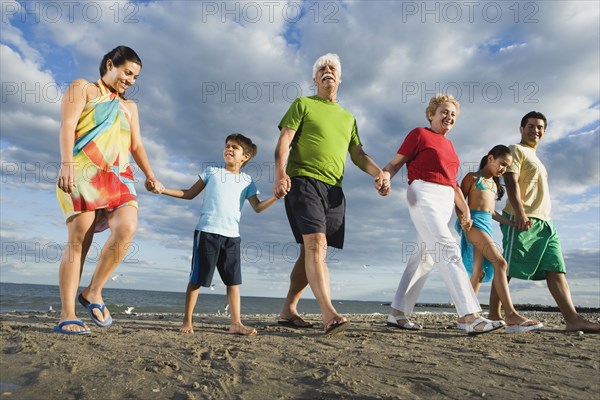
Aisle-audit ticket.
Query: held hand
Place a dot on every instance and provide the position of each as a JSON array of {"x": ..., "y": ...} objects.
[
  {"x": 385, "y": 188},
  {"x": 153, "y": 185},
  {"x": 466, "y": 222},
  {"x": 382, "y": 183},
  {"x": 66, "y": 177},
  {"x": 282, "y": 186},
  {"x": 522, "y": 223},
  {"x": 384, "y": 191}
]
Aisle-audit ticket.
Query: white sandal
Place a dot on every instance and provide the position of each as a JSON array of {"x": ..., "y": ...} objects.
[
  {"x": 489, "y": 326},
  {"x": 523, "y": 327},
  {"x": 401, "y": 322},
  {"x": 461, "y": 326}
]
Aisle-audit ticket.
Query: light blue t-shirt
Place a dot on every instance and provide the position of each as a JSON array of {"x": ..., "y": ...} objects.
[{"x": 224, "y": 196}]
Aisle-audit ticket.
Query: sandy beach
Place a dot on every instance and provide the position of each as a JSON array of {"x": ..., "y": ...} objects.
[{"x": 145, "y": 357}]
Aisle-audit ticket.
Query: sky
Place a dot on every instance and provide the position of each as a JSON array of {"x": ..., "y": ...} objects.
[{"x": 212, "y": 68}]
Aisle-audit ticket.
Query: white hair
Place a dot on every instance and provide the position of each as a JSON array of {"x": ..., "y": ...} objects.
[{"x": 329, "y": 58}]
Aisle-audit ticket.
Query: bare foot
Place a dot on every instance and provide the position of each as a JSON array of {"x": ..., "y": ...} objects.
[
  {"x": 186, "y": 328},
  {"x": 495, "y": 317},
  {"x": 287, "y": 315},
  {"x": 582, "y": 324},
  {"x": 239, "y": 329}
]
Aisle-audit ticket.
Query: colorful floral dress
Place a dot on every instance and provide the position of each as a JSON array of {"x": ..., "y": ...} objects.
[{"x": 104, "y": 178}]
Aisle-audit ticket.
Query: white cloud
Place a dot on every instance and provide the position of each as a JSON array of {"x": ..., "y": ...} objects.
[
  {"x": 13, "y": 36},
  {"x": 206, "y": 74},
  {"x": 30, "y": 100}
]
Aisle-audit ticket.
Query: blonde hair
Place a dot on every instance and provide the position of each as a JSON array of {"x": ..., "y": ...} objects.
[
  {"x": 437, "y": 101},
  {"x": 327, "y": 59}
]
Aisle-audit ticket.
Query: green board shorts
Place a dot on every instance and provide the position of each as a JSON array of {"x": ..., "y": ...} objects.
[{"x": 532, "y": 253}]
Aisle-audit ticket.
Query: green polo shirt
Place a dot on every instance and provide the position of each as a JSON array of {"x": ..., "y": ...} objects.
[{"x": 324, "y": 134}]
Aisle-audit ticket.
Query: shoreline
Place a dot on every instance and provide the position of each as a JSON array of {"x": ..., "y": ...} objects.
[
  {"x": 447, "y": 310},
  {"x": 144, "y": 356}
]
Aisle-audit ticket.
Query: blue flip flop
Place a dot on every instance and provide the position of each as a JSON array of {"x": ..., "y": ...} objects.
[
  {"x": 59, "y": 327},
  {"x": 91, "y": 307}
]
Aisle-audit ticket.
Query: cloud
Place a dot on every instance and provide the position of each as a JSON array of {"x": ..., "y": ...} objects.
[
  {"x": 583, "y": 263},
  {"x": 13, "y": 36},
  {"x": 208, "y": 72},
  {"x": 30, "y": 102},
  {"x": 568, "y": 173}
]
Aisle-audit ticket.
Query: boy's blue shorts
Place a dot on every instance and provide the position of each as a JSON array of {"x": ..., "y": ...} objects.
[{"x": 212, "y": 250}]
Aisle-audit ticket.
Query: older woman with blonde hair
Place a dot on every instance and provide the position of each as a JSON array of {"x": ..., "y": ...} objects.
[{"x": 432, "y": 194}]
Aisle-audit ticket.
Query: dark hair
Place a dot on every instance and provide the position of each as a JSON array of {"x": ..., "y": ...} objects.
[
  {"x": 536, "y": 115},
  {"x": 246, "y": 143},
  {"x": 119, "y": 56},
  {"x": 496, "y": 151}
]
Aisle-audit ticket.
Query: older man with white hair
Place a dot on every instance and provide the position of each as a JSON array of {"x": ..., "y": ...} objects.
[{"x": 316, "y": 133}]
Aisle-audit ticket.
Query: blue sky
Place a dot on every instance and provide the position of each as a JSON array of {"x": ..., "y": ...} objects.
[{"x": 212, "y": 68}]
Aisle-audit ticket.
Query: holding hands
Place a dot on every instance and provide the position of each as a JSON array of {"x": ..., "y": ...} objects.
[
  {"x": 282, "y": 186},
  {"x": 522, "y": 222},
  {"x": 466, "y": 222},
  {"x": 382, "y": 183},
  {"x": 153, "y": 185}
]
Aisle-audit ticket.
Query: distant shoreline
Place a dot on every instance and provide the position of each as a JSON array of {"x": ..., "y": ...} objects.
[{"x": 304, "y": 301}]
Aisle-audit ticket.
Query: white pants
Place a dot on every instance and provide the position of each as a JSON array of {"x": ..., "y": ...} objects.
[{"x": 431, "y": 206}]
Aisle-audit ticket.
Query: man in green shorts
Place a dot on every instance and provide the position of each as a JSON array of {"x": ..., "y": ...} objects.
[
  {"x": 532, "y": 247},
  {"x": 316, "y": 134}
]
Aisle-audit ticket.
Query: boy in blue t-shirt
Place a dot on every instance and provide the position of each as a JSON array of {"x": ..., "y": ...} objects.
[{"x": 217, "y": 238}]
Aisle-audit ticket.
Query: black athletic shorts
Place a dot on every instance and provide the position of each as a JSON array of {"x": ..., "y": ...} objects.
[
  {"x": 212, "y": 250},
  {"x": 313, "y": 206}
]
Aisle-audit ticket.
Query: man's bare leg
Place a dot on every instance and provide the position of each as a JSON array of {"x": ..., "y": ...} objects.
[{"x": 559, "y": 288}]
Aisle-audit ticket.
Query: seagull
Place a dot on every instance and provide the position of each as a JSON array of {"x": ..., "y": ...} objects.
[
  {"x": 129, "y": 310},
  {"x": 114, "y": 277},
  {"x": 212, "y": 287},
  {"x": 365, "y": 266},
  {"x": 50, "y": 309}
]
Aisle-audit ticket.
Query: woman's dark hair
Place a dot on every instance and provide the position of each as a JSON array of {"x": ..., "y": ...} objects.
[
  {"x": 496, "y": 151},
  {"x": 119, "y": 56}
]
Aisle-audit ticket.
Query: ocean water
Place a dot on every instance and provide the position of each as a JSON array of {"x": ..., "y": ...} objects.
[{"x": 42, "y": 298}]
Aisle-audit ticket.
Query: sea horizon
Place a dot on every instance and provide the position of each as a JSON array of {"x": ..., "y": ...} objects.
[
  {"x": 40, "y": 298},
  {"x": 26, "y": 297}
]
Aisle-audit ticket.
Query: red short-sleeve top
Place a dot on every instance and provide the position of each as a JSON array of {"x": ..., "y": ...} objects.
[{"x": 431, "y": 157}]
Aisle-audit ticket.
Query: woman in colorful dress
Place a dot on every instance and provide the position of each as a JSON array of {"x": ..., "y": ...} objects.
[{"x": 99, "y": 130}]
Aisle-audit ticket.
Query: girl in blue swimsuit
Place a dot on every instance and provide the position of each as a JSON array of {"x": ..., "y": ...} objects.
[{"x": 481, "y": 257}]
